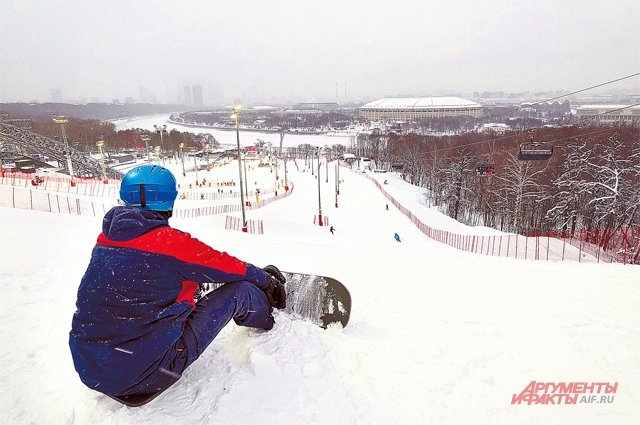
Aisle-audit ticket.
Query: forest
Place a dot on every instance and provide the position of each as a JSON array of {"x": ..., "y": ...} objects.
[{"x": 589, "y": 188}]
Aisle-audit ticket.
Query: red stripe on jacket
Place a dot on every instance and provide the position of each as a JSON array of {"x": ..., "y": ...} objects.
[{"x": 180, "y": 245}]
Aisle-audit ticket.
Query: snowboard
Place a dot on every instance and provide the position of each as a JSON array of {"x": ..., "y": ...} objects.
[{"x": 319, "y": 299}]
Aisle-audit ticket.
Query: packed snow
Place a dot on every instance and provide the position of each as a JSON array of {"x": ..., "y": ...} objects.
[{"x": 437, "y": 335}]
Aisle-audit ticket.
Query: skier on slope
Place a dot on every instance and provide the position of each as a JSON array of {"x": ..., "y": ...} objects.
[
  {"x": 137, "y": 326},
  {"x": 397, "y": 237}
]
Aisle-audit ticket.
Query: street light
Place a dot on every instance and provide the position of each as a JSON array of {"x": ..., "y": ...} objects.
[
  {"x": 195, "y": 165},
  {"x": 182, "y": 156},
  {"x": 236, "y": 116},
  {"x": 246, "y": 178},
  {"x": 145, "y": 138},
  {"x": 319, "y": 201},
  {"x": 62, "y": 120},
  {"x": 100, "y": 144},
  {"x": 326, "y": 160},
  {"x": 337, "y": 181},
  {"x": 161, "y": 130}
]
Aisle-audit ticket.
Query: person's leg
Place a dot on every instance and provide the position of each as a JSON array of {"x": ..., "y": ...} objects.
[{"x": 243, "y": 302}]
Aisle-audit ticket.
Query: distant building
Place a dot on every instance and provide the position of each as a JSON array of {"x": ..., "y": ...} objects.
[
  {"x": 412, "y": 109},
  {"x": 316, "y": 106},
  {"x": 609, "y": 113},
  {"x": 56, "y": 96},
  {"x": 188, "y": 100},
  {"x": 198, "y": 99}
]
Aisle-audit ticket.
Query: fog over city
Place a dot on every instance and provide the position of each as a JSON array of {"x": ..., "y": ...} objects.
[{"x": 297, "y": 50}]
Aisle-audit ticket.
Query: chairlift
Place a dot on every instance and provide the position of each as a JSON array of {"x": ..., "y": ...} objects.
[
  {"x": 485, "y": 169},
  {"x": 535, "y": 151}
]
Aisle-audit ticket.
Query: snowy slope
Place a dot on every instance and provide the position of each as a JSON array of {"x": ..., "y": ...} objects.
[{"x": 437, "y": 336}]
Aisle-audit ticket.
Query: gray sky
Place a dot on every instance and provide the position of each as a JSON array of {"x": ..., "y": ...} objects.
[{"x": 262, "y": 50}]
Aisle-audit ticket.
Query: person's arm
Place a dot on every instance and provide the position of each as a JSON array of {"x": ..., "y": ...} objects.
[
  {"x": 197, "y": 261},
  {"x": 203, "y": 263}
]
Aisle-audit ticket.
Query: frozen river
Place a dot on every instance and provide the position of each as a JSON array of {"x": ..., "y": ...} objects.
[{"x": 228, "y": 137}]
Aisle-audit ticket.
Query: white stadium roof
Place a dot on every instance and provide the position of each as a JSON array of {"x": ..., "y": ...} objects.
[{"x": 420, "y": 103}]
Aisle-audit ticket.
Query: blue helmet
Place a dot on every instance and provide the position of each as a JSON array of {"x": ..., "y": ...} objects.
[{"x": 149, "y": 186}]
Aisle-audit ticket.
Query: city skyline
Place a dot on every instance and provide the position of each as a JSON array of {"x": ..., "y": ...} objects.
[{"x": 292, "y": 51}]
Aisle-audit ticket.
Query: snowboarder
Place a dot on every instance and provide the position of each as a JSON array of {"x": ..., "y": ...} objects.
[
  {"x": 137, "y": 326},
  {"x": 397, "y": 237},
  {"x": 331, "y": 229}
]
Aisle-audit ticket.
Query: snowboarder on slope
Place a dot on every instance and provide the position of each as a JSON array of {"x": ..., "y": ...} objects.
[
  {"x": 397, "y": 237},
  {"x": 331, "y": 229},
  {"x": 137, "y": 326}
]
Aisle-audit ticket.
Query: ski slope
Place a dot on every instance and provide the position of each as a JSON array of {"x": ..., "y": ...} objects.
[{"x": 437, "y": 336}]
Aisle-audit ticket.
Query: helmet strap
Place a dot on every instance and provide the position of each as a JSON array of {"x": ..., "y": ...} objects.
[{"x": 143, "y": 197}]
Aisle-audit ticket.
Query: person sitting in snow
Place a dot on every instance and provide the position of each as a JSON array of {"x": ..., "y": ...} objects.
[{"x": 137, "y": 326}]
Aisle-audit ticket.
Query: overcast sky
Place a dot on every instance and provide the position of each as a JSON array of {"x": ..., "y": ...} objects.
[{"x": 265, "y": 50}]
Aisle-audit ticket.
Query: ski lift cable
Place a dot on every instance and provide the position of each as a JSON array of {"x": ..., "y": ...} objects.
[
  {"x": 572, "y": 93},
  {"x": 549, "y": 100},
  {"x": 498, "y": 139}
]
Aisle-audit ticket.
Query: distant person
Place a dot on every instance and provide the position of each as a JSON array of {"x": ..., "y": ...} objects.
[
  {"x": 397, "y": 237},
  {"x": 331, "y": 229},
  {"x": 137, "y": 325},
  {"x": 387, "y": 207}
]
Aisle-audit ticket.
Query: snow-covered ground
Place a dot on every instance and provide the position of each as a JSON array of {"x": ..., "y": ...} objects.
[{"x": 437, "y": 336}]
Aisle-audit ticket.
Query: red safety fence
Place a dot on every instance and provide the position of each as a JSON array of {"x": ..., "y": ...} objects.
[
  {"x": 235, "y": 223},
  {"x": 17, "y": 197},
  {"x": 615, "y": 244},
  {"x": 536, "y": 247},
  {"x": 325, "y": 220},
  {"x": 28, "y": 198},
  {"x": 77, "y": 185}
]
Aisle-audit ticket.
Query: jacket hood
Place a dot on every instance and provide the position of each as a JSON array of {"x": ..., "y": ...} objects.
[{"x": 125, "y": 223}]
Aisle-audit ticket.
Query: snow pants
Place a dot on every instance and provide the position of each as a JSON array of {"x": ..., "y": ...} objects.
[{"x": 243, "y": 302}]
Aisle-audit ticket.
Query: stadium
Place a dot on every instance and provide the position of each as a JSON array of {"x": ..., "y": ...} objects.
[{"x": 415, "y": 108}]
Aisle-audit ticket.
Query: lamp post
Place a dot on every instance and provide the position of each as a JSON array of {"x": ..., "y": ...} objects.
[
  {"x": 337, "y": 177},
  {"x": 286, "y": 183},
  {"x": 161, "y": 130},
  {"x": 326, "y": 160},
  {"x": 145, "y": 138},
  {"x": 319, "y": 201},
  {"x": 100, "y": 144},
  {"x": 195, "y": 164},
  {"x": 184, "y": 173},
  {"x": 236, "y": 116},
  {"x": 312, "y": 172},
  {"x": 246, "y": 179},
  {"x": 62, "y": 120}
]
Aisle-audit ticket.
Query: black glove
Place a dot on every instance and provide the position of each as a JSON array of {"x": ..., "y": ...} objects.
[{"x": 274, "y": 288}]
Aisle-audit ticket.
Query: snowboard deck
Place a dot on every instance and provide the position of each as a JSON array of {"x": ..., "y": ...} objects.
[{"x": 320, "y": 299}]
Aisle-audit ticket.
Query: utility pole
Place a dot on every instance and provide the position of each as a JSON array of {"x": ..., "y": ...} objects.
[
  {"x": 100, "y": 144},
  {"x": 145, "y": 138},
  {"x": 236, "y": 115},
  {"x": 181, "y": 146},
  {"x": 63, "y": 121},
  {"x": 319, "y": 200},
  {"x": 161, "y": 130}
]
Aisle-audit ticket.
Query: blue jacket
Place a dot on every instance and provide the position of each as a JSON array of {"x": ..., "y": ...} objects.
[{"x": 137, "y": 294}]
